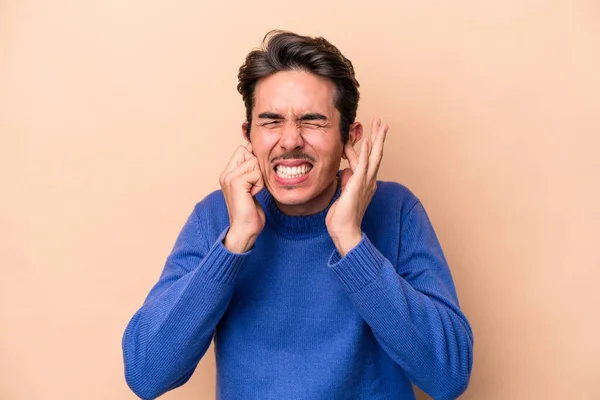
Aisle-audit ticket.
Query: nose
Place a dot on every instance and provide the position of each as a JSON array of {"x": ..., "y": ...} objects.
[{"x": 291, "y": 137}]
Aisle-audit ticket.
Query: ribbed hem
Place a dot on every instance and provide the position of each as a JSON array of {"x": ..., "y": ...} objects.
[
  {"x": 359, "y": 267},
  {"x": 221, "y": 264}
]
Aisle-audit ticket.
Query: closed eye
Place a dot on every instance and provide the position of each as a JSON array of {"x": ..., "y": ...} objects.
[
  {"x": 312, "y": 124},
  {"x": 270, "y": 123}
]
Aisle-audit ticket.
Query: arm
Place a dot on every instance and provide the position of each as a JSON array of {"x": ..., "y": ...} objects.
[
  {"x": 166, "y": 338},
  {"x": 413, "y": 313}
]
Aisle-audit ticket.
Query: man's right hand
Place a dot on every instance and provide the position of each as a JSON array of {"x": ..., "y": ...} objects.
[{"x": 241, "y": 181}]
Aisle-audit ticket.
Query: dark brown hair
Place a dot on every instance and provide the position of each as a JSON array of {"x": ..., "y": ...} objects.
[{"x": 284, "y": 51}]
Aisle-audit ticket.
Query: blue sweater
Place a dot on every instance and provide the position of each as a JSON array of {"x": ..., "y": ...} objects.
[{"x": 291, "y": 319}]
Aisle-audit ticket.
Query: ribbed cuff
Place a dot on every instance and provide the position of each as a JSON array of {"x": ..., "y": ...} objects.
[
  {"x": 359, "y": 267},
  {"x": 221, "y": 264}
]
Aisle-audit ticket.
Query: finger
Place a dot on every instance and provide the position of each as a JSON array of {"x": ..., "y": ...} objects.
[
  {"x": 236, "y": 159},
  {"x": 247, "y": 175},
  {"x": 377, "y": 151},
  {"x": 240, "y": 155},
  {"x": 247, "y": 166},
  {"x": 374, "y": 131},
  {"x": 351, "y": 155},
  {"x": 363, "y": 161},
  {"x": 254, "y": 180},
  {"x": 248, "y": 154}
]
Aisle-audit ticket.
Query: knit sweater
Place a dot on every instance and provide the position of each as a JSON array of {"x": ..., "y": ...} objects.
[{"x": 292, "y": 319}]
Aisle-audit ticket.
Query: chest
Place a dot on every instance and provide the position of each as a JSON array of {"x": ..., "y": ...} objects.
[{"x": 286, "y": 290}]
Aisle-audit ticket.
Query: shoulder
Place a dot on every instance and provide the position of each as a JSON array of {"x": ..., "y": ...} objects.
[
  {"x": 211, "y": 213},
  {"x": 386, "y": 215},
  {"x": 394, "y": 195},
  {"x": 214, "y": 201}
]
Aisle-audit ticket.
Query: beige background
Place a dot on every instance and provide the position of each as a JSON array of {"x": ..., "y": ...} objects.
[{"x": 116, "y": 117}]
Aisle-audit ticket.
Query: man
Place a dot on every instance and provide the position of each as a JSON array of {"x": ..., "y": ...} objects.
[{"x": 314, "y": 283}]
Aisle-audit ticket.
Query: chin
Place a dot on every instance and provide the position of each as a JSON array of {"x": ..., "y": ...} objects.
[
  {"x": 293, "y": 197},
  {"x": 299, "y": 189},
  {"x": 290, "y": 197}
]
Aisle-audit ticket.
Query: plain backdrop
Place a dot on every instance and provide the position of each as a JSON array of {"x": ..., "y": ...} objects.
[{"x": 116, "y": 117}]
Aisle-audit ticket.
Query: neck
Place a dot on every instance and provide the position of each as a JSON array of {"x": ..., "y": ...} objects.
[
  {"x": 314, "y": 206},
  {"x": 311, "y": 224}
]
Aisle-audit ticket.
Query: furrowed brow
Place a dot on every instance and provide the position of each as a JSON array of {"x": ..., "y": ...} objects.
[
  {"x": 270, "y": 115},
  {"x": 313, "y": 117}
]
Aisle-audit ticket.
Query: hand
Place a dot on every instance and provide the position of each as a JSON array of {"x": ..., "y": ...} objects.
[
  {"x": 359, "y": 183},
  {"x": 241, "y": 181}
]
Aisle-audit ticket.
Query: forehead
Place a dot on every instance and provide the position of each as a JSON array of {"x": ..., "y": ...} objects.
[{"x": 295, "y": 91}]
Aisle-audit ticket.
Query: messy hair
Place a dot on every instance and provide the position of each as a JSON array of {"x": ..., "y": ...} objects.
[{"x": 284, "y": 51}]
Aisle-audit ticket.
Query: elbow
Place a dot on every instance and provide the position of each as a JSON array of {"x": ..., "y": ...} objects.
[
  {"x": 144, "y": 389},
  {"x": 459, "y": 375},
  {"x": 140, "y": 381},
  {"x": 449, "y": 388},
  {"x": 455, "y": 380},
  {"x": 148, "y": 386},
  {"x": 138, "y": 373},
  {"x": 452, "y": 389},
  {"x": 150, "y": 373},
  {"x": 147, "y": 379},
  {"x": 141, "y": 389}
]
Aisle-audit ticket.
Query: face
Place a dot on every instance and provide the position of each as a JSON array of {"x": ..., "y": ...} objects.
[{"x": 295, "y": 136}]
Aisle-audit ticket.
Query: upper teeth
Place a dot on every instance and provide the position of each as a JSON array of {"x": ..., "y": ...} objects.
[{"x": 293, "y": 172}]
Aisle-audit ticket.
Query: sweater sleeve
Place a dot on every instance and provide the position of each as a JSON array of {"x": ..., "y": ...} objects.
[
  {"x": 413, "y": 313},
  {"x": 169, "y": 334}
]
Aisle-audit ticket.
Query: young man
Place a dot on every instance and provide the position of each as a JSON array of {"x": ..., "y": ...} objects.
[{"x": 314, "y": 283}]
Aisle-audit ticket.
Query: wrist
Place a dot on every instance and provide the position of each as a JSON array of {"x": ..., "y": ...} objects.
[
  {"x": 346, "y": 242},
  {"x": 238, "y": 243}
]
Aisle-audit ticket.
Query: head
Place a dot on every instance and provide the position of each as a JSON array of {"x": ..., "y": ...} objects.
[{"x": 301, "y": 98}]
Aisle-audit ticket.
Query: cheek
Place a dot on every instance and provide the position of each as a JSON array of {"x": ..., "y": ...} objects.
[
  {"x": 264, "y": 140},
  {"x": 262, "y": 147},
  {"x": 328, "y": 149}
]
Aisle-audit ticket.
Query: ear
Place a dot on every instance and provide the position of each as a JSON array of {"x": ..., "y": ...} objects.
[
  {"x": 245, "y": 131},
  {"x": 354, "y": 135}
]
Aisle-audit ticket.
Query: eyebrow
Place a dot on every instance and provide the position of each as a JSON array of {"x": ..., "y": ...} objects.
[{"x": 303, "y": 117}]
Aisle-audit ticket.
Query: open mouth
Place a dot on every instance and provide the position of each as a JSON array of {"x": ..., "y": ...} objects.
[{"x": 285, "y": 172}]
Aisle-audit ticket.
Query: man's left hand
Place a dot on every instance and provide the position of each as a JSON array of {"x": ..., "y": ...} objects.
[{"x": 359, "y": 183}]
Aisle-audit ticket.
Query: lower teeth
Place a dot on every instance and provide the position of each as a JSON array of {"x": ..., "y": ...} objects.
[{"x": 291, "y": 176}]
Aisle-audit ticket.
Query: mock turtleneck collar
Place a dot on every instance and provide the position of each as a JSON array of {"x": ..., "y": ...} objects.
[{"x": 310, "y": 225}]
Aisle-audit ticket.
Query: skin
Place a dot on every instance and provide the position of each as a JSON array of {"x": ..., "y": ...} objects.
[{"x": 294, "y": 120}]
